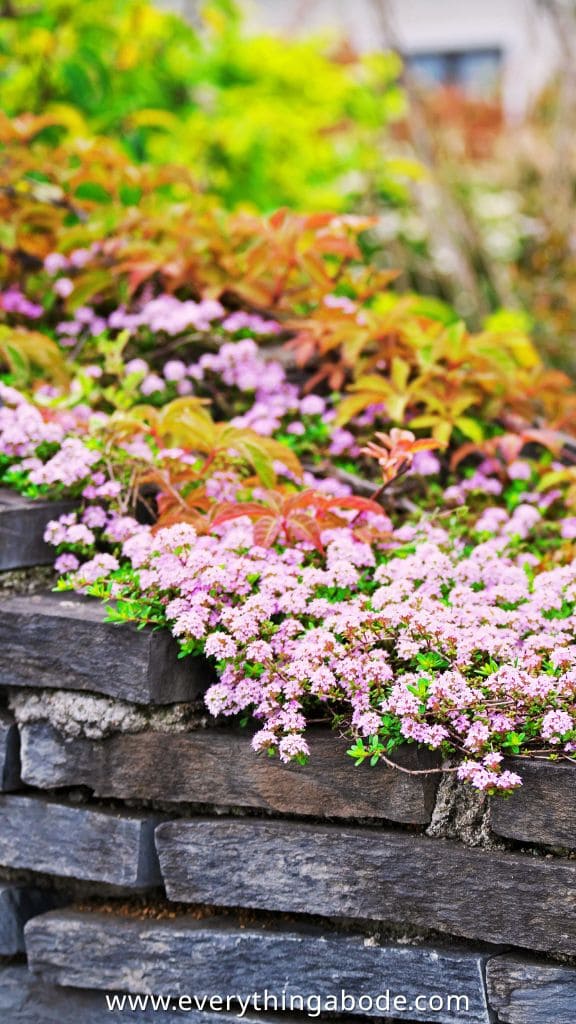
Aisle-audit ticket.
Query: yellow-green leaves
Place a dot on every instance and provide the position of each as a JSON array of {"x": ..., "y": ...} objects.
[{"x": 24, "y": 352}]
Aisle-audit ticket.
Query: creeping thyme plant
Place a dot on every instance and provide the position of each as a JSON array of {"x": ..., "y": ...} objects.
[{"x": 359, "y": 511}]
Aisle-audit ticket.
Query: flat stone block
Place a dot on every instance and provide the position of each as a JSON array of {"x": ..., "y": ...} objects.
[
  {"x": 22, "y": 525},
  {"x": 205, "y": 958},
  {"x": 543, "y": 810},
  {"x": 17, "y": 905},
  {"x": 524, "y": 991},
  {"x": 219, "y": 767},
  {"x": 62, "y": 641},
  {"x": 25, "y": 999},
  {"x": 9, "y": 754},
  {"x": 372, "y": 874},
  {"x": 78, "y": 842}
]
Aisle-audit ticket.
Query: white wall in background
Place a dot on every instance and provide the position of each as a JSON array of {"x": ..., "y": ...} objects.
[{"x": 516, "y": 27}]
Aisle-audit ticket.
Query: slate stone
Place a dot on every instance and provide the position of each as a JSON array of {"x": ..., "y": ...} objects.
[
  {"x": 62, "y": 641},
  {"x": 78, "y": 842},
  {"x": 374, "y": 874},
  {"x": 543, "y": 810},
  {"x": 524, "y": 991},
  {"x": 17, "y": 905},
  {"x": 93, "y": 950},
  {"x": 219, "y": 767},
  {"x": 9, "y": 754},
  {"x": 25, "y": 999},
  {"x": 22, "y": 525}
]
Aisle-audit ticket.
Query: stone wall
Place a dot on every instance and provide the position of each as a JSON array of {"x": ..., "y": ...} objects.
[{"x": 144, "y": 849}]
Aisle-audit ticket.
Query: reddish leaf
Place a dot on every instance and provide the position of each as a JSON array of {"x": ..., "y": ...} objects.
[
  {"x": 235, "y": 511},
  {"x": 266, "y": 531},
  {"x": 360, "y": 504},
  {"x": 303, "y": 527}
]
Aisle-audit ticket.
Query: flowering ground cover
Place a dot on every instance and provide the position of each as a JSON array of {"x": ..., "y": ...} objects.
[{"x": 362, "y": 512}]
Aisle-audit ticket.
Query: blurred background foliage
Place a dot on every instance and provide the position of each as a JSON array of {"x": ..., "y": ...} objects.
[
  {"x": 475, "y": 213},
  {"x": 261, "y": 121}
]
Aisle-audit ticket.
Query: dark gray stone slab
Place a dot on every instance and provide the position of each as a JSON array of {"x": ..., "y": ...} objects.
[
  {"x": 219, "y": 767},
  {"x": 543, "y": 810},
  {"x": 523, "y": 991},
  {"x": 78, "y": 842},
  {"x": 62, "y": 641},
  {"x": 17, "y": 905},
  {"x": 372, "y": 874},
  {"x": 22, "y": 525},
  {"x": 25, "y": 999},
  {"x": 190, "y": 956},
  {"x": 9, "y": 754}
]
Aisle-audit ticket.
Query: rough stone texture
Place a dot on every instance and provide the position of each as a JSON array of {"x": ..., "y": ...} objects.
[
  {"x": 9, "y": 754},
  {"x": 22, "y": 525},
  {"x": 77, "y": 842},
  {"x": 526, "y": 992},
  {"x": 372, "y": 874},
  {"x": 461, "y": 812},
  {"x": 26, "y": 1000},
  {"x": 219, "y": 767},
  {"x": 543, "y": 810},
  {"x": 36, "y": 580},
  {"x": 51, "y": 641},
  {"x": 186, "y": 955},
  {"x": 18, "y": 905},
  {"x": 78, "y": 714}
]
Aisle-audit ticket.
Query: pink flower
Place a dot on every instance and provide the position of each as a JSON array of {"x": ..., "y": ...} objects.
[
  {"x": 426, "y": 464},
  {"x": 556, "y": 724},
  {"x": 64, "y": 287},
  {"x": 54, "y": 262},
  {"x": 508, "y": 780},
  {"x": 174, "y": 370},
  {"x": 312, "y": 405},
  {"x": 97, "y": 568},
  {"x": 519, "y": 470},
  {"x": 139, "y": 366},
  {"x": 80, "y": 257},
  {"x": 220, "y": 645},
  {"x": 95, "y": 517},
  {"x": 264, "y": 740},
  {"x": 151, "y": 384},
  {"x": 568, "y": 528},
  {"x": 291, "y": 746},
  {"x": 66, "y": 562},
  {"x": 477, "y": 736}
]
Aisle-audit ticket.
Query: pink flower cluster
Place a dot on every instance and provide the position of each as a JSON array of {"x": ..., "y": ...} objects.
[
  {"x": 57, "y": 262},
  {"x": 22, "y": 426},
  {"x": 71, "y": 464},
  {"x": 14, "y": 301},
  {"x": 25, "y": 427},
  {"x": 442, "y": 647},
  {"x": 168, "y": 314},
  {"x": 161, "y": 314},
  {"x": 240, "y": 365}
]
